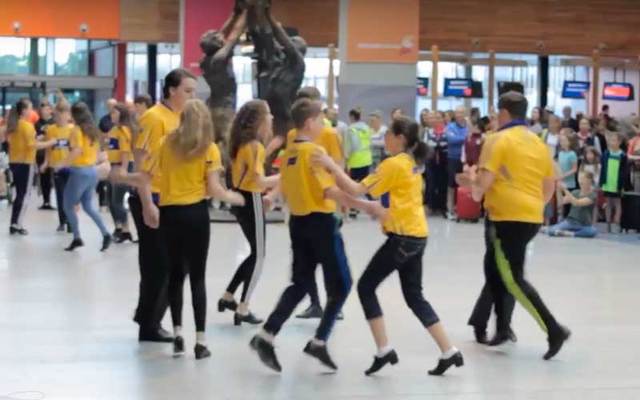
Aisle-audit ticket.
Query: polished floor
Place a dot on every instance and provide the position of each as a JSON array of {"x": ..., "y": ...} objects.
[{"x": 66, "y": 330}]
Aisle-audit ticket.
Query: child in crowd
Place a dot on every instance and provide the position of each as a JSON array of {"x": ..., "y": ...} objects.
[
  {"x": 579, "y": 222},
  {"x": 473, "y": 143},
  {"x": 633, "y": 154},
  {"x": 591, "y": 164},
  {"x": 568, "y": 162},
  {"x": 613, "y": 176}
]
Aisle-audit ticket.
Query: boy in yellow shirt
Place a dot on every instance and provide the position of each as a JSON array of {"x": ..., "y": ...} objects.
[{"x": 311, "y": 193}]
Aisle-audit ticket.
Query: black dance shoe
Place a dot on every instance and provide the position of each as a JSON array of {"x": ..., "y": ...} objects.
[
  {"x": 379, "y": 362},
  {"x": 446, "y": 363}
]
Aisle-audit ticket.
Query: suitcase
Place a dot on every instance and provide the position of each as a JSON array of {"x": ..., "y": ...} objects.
[
  {"x": 630, "y": 211},
  {"x": 467, "y": 209}
]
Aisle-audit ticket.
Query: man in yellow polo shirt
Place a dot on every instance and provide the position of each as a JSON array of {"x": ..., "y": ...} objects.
[
  {"x": 516, "y": 180},
  {"x": 155, "y": 124}
]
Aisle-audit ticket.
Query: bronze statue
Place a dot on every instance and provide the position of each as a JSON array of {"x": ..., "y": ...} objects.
[
  {"x": 280, "y": 66},
  {"x": 217, "y": 69}
]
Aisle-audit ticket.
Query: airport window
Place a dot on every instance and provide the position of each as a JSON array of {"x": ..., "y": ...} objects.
[
  {"x": 71, "y": 57},
  {"x": 14, "y": 55}
]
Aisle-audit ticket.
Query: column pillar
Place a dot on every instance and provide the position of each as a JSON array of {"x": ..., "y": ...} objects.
[
  {"x": 120, "y": 88},
  {"x": 595, "y": 86},
  {"x": 378, "y": 65},
  {"x": 152, "y": 71}
]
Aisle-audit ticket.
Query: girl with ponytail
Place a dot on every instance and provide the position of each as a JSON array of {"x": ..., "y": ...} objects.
[
  {"x": 398, "y": 183},
  {"x": 252, "y": 127}
]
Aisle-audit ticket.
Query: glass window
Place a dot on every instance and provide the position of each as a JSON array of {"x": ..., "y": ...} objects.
[
  {"x": 168, "y": 59},
  {"x": 14, "y": 55},
  {"x": 558, "y": 73},
  {"x": 136, "y": 70},
  {"x": 71, "y": 57}
]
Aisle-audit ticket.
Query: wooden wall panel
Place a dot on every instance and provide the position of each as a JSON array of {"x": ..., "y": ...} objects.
[
  {"x": 518, "y": 26},
  {"x": 150, "y": 20},
  {"x": 317, "y": 20},
  {"x": 562, "y": 26}
]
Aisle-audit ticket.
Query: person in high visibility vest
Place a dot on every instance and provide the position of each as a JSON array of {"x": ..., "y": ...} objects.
[{"x": 358, "y": 147}]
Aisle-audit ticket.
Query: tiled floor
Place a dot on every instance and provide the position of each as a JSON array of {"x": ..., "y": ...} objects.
[{"x": 66, "y": 330}]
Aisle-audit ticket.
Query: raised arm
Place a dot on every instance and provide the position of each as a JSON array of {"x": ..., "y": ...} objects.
[
  {"x": 282, "y": 38},
  {"x": 231, "y": 38}
]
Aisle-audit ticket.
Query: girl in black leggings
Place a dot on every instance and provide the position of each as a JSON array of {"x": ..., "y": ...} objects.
[
  {"x": 188, "y": 166},
  {"x": 251, "y": 128},
  {"x": 398, "y": 184},
  {"x": 22, "y": 159}
]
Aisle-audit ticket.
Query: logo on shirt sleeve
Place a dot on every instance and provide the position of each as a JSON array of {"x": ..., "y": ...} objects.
[
  {"x": 114, "y": 144},
  {"x": 385, "y": 200},
  {"x": 292, "y": 161}
]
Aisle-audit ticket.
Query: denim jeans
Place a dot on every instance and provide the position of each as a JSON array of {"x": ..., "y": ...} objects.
[
  {"x": 579, "y": 230},
  {"x": 80, "y": 187}
]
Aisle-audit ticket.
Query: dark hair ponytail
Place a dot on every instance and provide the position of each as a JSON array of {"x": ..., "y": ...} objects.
[
  {"x": 411, "y": 131},
  {"x": 16, "y": 113}
]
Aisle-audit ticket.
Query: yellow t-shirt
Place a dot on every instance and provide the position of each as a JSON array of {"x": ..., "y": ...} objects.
[
  {"x": 22, "y": 143},
  {"x": 183, "y": 181},
  {"x": 398, "y": 183},
  {"x": 119, "y": 144},
  {"x": 155, "y": 124},
  {"x": 60, "y": 151},
  {"x": 304, "y": 184},
  {"x": 328, "y": 139},
  {"x": 520, "y": 161},
  {"x": 248, "y": 166},
  {"x": 89, "y": 149}
]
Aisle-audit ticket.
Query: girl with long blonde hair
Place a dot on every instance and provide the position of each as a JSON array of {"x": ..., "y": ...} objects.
[{"x": 188, "y": 164}]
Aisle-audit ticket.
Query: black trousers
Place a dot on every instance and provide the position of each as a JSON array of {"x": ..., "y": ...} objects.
[
  {"x": 252, "y": 222},
  {"x": 404, "y": 254},
  {"x": 436, "y": 184},
  {"x": 187, "y": 231},
  {"x": 505, "y": 274},
  {"x": 153, "y": 260},
  {"x": 103, "y": 194},
  {"x": 46, "y": 184},
  {"x": 23, "y": 181},
  {"x": 315, "y": 238},
  {"x": 60, "y": 180},
  {"x": 482, "y": 310}
]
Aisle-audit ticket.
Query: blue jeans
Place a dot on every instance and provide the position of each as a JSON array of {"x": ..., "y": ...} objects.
[
  {"x": 80, "y": 189},
  {"x": 579, "y": 230}
]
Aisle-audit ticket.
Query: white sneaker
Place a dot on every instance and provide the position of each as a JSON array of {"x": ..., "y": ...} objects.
[{"x": 451, "y": 216}]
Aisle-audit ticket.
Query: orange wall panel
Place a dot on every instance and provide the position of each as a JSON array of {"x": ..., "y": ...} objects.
[{"x": 61, "y": 18}]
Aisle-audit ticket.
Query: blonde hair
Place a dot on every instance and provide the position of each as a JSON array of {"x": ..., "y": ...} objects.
[{"x": 195, "y": 133}]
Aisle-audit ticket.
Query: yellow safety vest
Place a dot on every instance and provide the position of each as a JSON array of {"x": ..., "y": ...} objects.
[{"x": 362, "y": 157}]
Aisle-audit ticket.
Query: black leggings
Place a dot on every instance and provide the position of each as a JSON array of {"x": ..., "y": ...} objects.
[
  {"x": 23, "y": 180},
  {"x": 251, "y": 220},
  {"x": 187, "y": 229},
  {"x": 404, "y": 254},
  {"x": 505, "y": 274},
  {"x": 60, "y": 180},
  {"x": 46, "y": 178}
]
